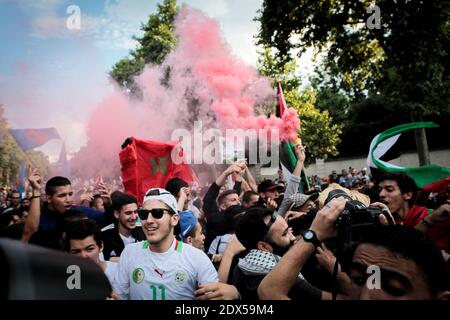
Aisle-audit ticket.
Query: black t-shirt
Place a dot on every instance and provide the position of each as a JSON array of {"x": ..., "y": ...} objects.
[{"x": 247, "y": 286}]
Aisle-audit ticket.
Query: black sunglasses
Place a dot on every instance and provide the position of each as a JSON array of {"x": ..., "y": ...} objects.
[
  {"x": 272, "y": 220},
  {"x": 157, "y": 213}
]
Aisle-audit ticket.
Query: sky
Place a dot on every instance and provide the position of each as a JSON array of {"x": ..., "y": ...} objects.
[{"x": 54, "y": 76}]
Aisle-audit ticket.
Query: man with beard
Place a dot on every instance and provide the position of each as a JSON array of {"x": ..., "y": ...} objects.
[
  {"x": 266, "y": 237},
  {"x": 410, "y": 266},
  {"x": 161, "y": 268},
  {"x": 15, "y": 199},
  {"x": 125, "y": 231}
]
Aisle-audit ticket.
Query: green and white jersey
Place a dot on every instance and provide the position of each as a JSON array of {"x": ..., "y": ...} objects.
[{"x": 171, "y": 275}]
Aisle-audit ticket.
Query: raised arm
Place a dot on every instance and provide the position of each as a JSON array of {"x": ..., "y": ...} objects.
[
  {"x": 294, "y": 180},
  {"x": 34, "y": 214},
  {"x": 236, "y": 167},
  {"x": 251, "y": 180},
  {"x": 233, "y": 248},
  {"x": 209, "y": 201},
  {"x": 277, "y": 284}
]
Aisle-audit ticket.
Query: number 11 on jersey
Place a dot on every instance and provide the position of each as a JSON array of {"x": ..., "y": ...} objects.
[{"x": 162, "y": 290}]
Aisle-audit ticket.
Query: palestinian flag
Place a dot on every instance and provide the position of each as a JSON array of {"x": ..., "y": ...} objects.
[
  {"x": 288, "y": 160},
  {"x": 381, "y": 144}
]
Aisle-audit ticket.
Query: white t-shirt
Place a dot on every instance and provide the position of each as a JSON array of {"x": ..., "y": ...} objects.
[
  {"x": 171, "y": 275},
  {"x": 222, "y": 241},
  {"x": 111, "y": 270},
  {"x": 127, "y": 240}
]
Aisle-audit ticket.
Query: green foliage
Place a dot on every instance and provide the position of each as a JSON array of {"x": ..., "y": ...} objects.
[
  {"x": 406, "y": 60},
  {"x": 157, "y": 41},
  {"x": 368, "y": 78},
  {"x": 3, "y": 123},
  {"x": 269, "y": 65},
  {"x": 37, "y": 159},
  {"x": 319, "y": 133},
  {"x": 12, "y": 156}
]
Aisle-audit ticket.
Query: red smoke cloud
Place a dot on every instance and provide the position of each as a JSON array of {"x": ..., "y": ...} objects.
[{"x": 207, "y": 83}]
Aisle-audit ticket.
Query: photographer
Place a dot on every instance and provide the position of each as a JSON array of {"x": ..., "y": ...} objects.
[{"x": 411, "y": 266}]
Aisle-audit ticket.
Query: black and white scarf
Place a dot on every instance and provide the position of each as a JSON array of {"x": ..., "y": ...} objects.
[{"x": 258, "y": 262}]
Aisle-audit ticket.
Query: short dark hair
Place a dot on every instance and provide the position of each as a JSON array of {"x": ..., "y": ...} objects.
[
  {"x": 81, "y": 229},
  {"x": 69, "y": 217},
  {"x": 94, "y": 200},
  {"x": 404, "y": 182},
  {"x": 247, "y": 196},
  {"x": 231, "y": 216},
  {"x": 121, "y": 200},
  {"x": 410, "y": 244},
  {"x": 53, "y": 183},
  {"x": 174, "y": 186},
  {"x": 250, "y": 227},
  {"x": 224, "y": 194}
]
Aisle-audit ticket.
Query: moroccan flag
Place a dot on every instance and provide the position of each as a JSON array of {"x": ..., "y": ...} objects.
[
  {"x": 148, "y": 164},
  {"x": 382, "y": 142},
  {"x": 288, "y": 160},
  {"x": 31, "y": 138}
]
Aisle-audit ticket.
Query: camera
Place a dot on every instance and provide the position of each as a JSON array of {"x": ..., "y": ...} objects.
[{"x": 355, "y": 217}]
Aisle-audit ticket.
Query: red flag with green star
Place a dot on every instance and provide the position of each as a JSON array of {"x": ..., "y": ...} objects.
[{"x": 150, "y": 164}]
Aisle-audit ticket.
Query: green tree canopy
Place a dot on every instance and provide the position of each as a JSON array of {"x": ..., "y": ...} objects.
[
  {"x": 406, "y": 58},
  {"x": 403, "y": 63},
  {"x": 153, "y": 46},
  {"x": 12, "y": 156}
]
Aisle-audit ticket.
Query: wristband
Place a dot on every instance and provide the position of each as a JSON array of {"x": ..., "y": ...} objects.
[
  {"x": 426, "y": 223},
  {"x": 33, "y": 197}
]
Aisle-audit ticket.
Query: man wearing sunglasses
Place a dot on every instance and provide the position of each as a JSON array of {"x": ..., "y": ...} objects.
[{"x": 161, "y": 268}]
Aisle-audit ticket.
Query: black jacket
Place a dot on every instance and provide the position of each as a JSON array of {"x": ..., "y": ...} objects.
[
  {"x": 215, "y": 220},
  {"x": 113, "y": 244}
]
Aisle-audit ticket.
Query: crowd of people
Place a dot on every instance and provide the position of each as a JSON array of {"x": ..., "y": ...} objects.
[{"x": 252, "y": 241}]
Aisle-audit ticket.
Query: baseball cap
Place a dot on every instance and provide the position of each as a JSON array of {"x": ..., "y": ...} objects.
[
  {"x": 187, "y": 223},
  {"x": 298, "y": 199},
  {"x": 162, "y": 195},
  {"x": 268, "y": 185}
]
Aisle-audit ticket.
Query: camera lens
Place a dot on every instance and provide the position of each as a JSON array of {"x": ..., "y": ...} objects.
[{"x": 335, "y": 194}]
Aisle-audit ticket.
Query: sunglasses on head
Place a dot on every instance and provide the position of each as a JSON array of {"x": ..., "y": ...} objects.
[
  {"x": 157, "y": 213},
  {"x": 272, "y": 220},
  {"x": 156, "y": 192}
]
